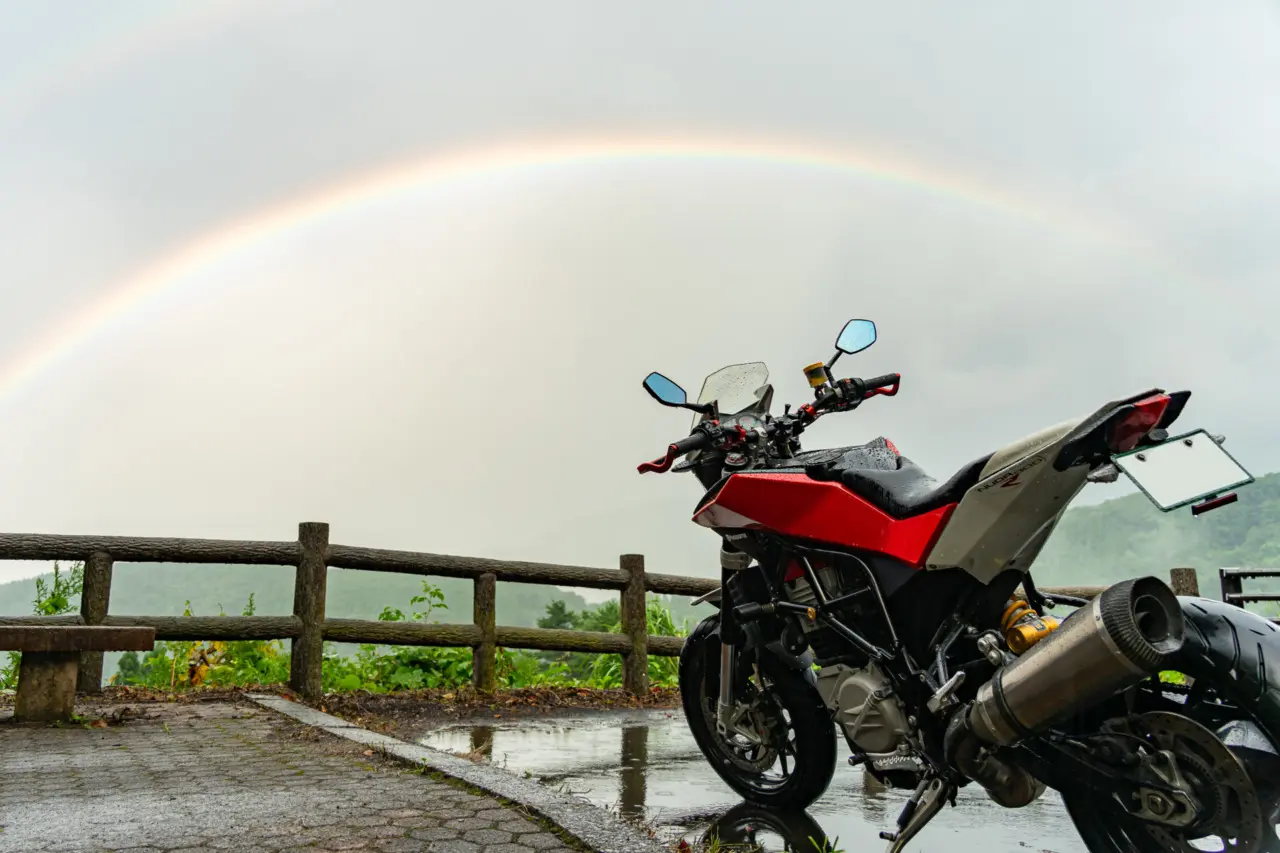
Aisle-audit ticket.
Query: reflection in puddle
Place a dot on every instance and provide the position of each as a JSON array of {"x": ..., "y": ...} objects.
[{"x": 646, "y": 767}]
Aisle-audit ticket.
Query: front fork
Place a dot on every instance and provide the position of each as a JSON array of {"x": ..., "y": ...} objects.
[
  {"x": 731, "y": 562},
  {"x": 725, "y": 705}
]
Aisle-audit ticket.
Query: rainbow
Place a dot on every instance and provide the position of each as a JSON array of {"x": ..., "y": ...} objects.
[{"x": 435, "y": 172}]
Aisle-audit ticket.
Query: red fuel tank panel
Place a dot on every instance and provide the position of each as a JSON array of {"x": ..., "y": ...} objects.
[{"x": 796, "y": 505}]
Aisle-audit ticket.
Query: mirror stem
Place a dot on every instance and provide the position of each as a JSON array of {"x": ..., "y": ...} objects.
[{"x": 831, "y": 379}]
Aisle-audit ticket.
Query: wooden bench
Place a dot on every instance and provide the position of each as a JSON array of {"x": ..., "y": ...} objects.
[{"x": 51, "y": 661}]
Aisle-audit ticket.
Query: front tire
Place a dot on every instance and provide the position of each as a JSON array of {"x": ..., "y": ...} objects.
[
  {"x": 740, "y": 827},
  {"x": 799, "y": 734},
  {"x": 1233, "y": 658}
]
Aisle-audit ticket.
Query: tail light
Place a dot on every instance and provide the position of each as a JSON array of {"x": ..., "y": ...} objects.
[{"x": 1138, "y": 420}]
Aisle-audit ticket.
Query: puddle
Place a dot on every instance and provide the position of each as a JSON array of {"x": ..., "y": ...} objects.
[{"x": 646, "y": 766}]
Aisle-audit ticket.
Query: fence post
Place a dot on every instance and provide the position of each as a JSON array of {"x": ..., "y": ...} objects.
[
  {"x": 308, "y": 607},
  {"x": 95, "y": 598},
  {"x": 484, "y": 613},
  {"x": 635, "y": 663},
  {"x": 1184, "y": 582}
]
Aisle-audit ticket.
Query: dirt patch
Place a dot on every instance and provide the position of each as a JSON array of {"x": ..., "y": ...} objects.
[
  {"x": 120, "y": 706},
  {"x": 405, "y": 711},
  {"x": 126, "y": 695},
  {"x": 417, "y": 710}
]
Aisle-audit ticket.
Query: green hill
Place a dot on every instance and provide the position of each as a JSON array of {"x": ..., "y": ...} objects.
[{"x": 1128, "y": 536}]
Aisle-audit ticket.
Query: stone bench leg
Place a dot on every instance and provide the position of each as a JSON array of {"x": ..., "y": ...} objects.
[{"x": 46, "y": 687}]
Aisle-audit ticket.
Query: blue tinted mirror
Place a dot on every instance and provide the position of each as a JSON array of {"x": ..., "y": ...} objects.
[
  {"x": 664, "y": 390},
  {"x": 856, "y": 336}
]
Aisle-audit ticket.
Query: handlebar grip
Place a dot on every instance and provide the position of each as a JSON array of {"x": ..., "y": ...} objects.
[
  {"x": 694, "y": 442},
  {"x": 886, "y": 385}
]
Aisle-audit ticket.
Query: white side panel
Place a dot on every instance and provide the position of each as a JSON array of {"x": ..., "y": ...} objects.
[{"x": 1004, "y": 520}]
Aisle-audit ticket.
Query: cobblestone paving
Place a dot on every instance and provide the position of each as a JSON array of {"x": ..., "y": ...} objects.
[{"x": 236, "y": 778}]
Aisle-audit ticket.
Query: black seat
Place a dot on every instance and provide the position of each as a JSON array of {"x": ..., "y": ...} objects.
[{"x": 876, "y": 473}]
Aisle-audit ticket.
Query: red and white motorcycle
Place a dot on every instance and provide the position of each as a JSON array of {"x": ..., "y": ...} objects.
[{"x": 861, "y": 596}]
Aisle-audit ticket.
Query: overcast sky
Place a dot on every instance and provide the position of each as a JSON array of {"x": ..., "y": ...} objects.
[{"x": 456, "y": 368}]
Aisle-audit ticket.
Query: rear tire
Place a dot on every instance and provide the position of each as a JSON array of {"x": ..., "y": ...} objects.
[
  {"x": 1234, "y": 658},
  {"x": 806, "y": 745}
]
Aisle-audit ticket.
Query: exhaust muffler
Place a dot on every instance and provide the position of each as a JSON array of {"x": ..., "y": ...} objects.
[
  {"x": 1125, "y": 635},
  {"x": 1128, "y": 633}
]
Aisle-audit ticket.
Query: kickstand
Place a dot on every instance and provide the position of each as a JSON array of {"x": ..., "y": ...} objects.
[{"x": 925, "y": 803}]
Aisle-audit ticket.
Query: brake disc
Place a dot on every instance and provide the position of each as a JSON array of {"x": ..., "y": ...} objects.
[{"x": 1235, "y": 812}]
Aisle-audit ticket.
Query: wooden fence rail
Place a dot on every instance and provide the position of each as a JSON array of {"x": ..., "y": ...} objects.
[{"x": 307, "y": 629}]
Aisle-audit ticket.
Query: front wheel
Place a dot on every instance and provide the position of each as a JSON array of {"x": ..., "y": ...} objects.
[
  {"x": 1232, "y": 658},
  {"x": 783, "y": 753}
]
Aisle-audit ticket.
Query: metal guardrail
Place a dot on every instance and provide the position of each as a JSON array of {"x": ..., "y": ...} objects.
[{"x": 1232, "y": 584}]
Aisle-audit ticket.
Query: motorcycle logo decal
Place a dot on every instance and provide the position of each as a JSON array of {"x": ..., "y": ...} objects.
[{"x": 1012, "y": 477}]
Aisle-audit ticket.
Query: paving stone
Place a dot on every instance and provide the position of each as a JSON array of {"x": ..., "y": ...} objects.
[
  {"x": 399, "y": 845},
  {"x": 453, "y": 846},
  {"x": 437, "y": 833},
  {"x": 213, "y": 777},
  {"x": 487, "y": 836},
  {"x": 399, "y": 813}
]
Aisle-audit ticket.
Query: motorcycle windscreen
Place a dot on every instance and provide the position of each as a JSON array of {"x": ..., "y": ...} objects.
[
  {"x": 1183, "y": 470},
  {"x": 736, "y": 388}
]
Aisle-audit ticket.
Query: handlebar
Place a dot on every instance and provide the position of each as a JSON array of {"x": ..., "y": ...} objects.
[{"x": 848, "y": 394}]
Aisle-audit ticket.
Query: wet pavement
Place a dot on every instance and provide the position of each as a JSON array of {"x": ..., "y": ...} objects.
[
  {"x": 234, "y": 777},
  {"x": 646, "y": 766}
]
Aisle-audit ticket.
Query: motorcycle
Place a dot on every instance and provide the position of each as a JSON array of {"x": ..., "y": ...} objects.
[{"x": 858, "y": 595}]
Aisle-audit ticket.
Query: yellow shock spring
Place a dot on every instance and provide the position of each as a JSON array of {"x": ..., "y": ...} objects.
[{"x": 1023, "y": 627}]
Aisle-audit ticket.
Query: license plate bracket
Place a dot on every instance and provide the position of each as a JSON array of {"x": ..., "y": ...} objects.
[{"x": 1183, "y": 470}]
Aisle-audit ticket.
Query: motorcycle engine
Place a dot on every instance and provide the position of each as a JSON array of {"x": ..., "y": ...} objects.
[{"x": 864, "y": 705}]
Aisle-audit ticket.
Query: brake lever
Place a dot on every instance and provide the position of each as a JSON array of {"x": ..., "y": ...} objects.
[{"x": 659, "y": 466}]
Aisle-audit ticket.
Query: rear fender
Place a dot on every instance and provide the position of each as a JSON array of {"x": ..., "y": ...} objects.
[{"x": 705, "y": 641}]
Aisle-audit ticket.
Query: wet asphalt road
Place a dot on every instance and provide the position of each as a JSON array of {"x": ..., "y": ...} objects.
[
  {"x": 233, "y": 777},
  {"x": 647, "y": 767}
]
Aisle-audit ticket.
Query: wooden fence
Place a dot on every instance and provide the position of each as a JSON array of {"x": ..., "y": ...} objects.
[{"x": 312, "y": 556}]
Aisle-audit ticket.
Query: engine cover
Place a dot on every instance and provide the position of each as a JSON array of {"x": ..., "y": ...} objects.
[{"x": 864, "y": 705}]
